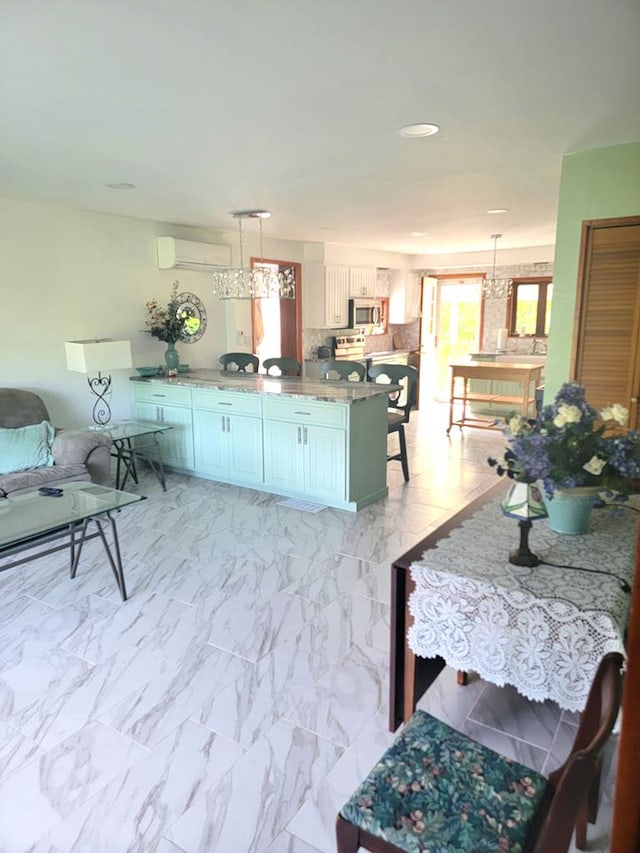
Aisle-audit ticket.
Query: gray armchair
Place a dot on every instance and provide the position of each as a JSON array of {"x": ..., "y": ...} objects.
[{"x": 77, "y": 454}]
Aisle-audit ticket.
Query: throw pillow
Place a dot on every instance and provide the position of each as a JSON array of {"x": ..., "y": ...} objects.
[{"x": 26, "y": 447}]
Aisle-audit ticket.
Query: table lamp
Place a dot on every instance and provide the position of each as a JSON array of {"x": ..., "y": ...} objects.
[
  {"x": 93, "y": 356},
  {"x": 524, "y": 502}
]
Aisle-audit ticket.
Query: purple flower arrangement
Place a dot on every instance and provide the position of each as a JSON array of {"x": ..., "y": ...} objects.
[{"x": 572, "y": 444}]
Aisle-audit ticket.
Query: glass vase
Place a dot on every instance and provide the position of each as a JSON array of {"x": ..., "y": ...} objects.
[{"x": 171, "y": 359}]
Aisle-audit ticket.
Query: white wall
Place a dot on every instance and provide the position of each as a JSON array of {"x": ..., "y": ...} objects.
[{"x": 70, "y": 274}]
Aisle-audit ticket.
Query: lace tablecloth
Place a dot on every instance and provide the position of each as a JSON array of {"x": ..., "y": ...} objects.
[{"x": 543, "y": 629}]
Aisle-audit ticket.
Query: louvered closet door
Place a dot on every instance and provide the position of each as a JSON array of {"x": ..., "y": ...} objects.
[{"x": 607, "y": 355}]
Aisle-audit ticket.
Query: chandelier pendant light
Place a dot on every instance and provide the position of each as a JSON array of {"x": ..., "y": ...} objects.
[
  {"x": 496, "y": 288},
  {"x": 259, "y": 282}
]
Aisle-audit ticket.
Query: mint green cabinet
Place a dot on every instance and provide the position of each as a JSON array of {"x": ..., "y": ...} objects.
[
  {"x": 305, "y": 458},
  {"x": 227, "y": 435},
  {"x": 328, "y": 451},
  {"x": 172, "y": 406}
]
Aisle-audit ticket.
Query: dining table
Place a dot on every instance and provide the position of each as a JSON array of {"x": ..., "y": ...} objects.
[{"x": 458, "y": 601}]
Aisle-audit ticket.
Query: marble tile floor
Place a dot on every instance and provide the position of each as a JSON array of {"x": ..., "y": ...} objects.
[{"x": 239, "y": 696}]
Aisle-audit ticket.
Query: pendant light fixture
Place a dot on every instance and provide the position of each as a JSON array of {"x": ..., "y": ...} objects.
[
  {"x": 259, "y": 282},
  {"x": 496, "y": 288}
]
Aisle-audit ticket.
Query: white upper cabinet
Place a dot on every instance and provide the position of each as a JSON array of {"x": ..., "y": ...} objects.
[
  {"x": 404, "y": 297},
  {"x": 325, "y": 296},
  {"x": 362, "y": 282}
]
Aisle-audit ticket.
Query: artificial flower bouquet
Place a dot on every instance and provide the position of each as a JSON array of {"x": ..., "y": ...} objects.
[
  {"x": 573, "y": 444},
  {"x": 168, "y": 324}
]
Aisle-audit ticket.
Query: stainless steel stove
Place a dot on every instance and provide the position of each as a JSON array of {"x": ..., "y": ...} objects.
[{"x": 350, "y": 347}]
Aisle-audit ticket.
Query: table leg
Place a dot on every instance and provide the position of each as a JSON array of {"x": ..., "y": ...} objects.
[
  {"x": 159, "y": 471},
  {"x": 126, "y": 460},
  {"x": 115, "y": 560},
  {"x": 451, "y": 393},
  {"x": 410, "y": 675}
]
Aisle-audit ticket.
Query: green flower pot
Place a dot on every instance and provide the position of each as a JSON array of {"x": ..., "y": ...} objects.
[{"x": 569, "y": 511}]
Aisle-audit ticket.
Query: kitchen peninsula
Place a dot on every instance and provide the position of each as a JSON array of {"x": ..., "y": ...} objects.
[{"x": 316, "y": 440}]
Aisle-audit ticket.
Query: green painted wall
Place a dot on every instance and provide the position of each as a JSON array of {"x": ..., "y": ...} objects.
[{"x": 599, "y": 184}]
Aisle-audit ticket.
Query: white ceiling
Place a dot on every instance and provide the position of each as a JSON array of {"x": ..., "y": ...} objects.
[{"x": 209, "y": 106}]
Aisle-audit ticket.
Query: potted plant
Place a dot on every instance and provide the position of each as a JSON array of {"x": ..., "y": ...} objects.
[
  {"x": 168, "y": 324},
  {"x": 573, "y": 449}
]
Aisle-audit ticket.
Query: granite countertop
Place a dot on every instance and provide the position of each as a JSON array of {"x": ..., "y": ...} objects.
[{"x": 259, "y": 383}]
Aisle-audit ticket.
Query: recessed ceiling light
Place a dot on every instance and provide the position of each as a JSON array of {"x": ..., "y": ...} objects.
[
  {"x": 418, "y": 233},
  {"x": 498, "y": 210},
  {"x": 416, "y": 130},
  {"x": 122, "y": 185}
]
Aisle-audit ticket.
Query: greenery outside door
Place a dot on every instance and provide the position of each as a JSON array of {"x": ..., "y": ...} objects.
[{"x": 458, "y": 314}]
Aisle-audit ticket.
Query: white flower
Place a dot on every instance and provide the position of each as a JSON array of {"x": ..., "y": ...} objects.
[
  {"x": 595, "y": 465},
  {"x": 615, "y": 413},
  {"x": 517, "y": 425},
  {"x": 567, "y": 415}
]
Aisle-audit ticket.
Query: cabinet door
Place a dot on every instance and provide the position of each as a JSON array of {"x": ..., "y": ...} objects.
[
  {"x": 336, "y": 296},
  {"x": 283, "y": 457},
  {"x": 210, "y": 442},
  {"x": 176, "y": 443},
  {"x": 325, "y": 462},
  {"x": 362, "y": 281},
  {"x": 607, "y": 347},
  {"x": 244, "y": 437},
  {"x": 404, "y": 297}
]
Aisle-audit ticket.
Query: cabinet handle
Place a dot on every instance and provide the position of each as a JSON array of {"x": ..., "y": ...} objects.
[
  {"x": 158, "y": 395},
  {"x": 228, "y": 425},
  {"x": 302, "y": 413},
  {"x": 305, "y": 434},
  {"x": 224, "y": 404},
  {"x": 299, "y": 435},
  {"x": 222, "y": 419}
]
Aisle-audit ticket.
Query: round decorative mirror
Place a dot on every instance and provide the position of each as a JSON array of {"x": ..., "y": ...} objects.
[{"x": 195, "y": 314}]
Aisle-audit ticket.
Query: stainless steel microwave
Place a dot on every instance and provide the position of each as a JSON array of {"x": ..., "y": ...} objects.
[{"x": 366, "y": 314}]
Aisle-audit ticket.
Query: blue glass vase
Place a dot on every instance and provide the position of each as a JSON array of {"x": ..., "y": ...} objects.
[{"x": 569, "y": 511}]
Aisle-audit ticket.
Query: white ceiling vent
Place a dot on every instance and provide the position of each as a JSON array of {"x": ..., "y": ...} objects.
[{"x": 189, "y": 255}]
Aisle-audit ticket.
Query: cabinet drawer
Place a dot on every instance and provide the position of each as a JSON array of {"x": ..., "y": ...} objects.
[
  {"x": 155, "y": 392},
  {"x": 234, "y": 403},
  {"x": 303, "y": 411}
]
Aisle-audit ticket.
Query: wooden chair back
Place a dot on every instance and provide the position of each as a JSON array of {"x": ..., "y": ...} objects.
[
  {"x": 242, "y": 360},
  {"x": 344, "y": 369},
  {"x": 286, "y": 366}
]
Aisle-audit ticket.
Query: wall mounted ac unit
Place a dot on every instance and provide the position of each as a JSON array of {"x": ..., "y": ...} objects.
[{"x": 189, "y": 255}]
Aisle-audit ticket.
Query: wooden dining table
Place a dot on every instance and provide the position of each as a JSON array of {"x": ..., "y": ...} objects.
[{"x": 457, "y": 600}]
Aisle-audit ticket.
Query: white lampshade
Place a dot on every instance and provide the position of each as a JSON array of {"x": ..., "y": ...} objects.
[{"x": 92, "y": 356}]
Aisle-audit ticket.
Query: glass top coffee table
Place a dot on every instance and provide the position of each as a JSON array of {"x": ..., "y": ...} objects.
[
  {"x": 127, "y": 444},
  {"x": 31, "y": 520}
]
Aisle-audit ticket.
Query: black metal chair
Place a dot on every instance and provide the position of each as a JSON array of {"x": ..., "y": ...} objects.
[
  {"x": 437, "y": 788},
  {"x": 286, "y": 366},
  {"x": 398, "y": 416},
  {"x": 242, "y": 360},
  {"x": 345, "y": 370}
]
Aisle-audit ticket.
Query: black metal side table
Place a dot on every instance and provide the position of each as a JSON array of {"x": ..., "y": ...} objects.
[{"x": 129, "y": 444}]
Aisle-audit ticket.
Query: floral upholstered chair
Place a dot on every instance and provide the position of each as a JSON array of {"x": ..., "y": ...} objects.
[{"x": 435, "y": 790}]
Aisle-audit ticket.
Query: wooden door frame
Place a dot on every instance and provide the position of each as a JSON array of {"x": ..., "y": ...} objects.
[{"x": 297, "y": 267}]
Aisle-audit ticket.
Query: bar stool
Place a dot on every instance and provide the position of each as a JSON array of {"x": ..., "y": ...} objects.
[
  {"x": 242, "y": 360},
  {"x": 344, "y": 369},
  {"x": 398, "y": 415},
  {"x": 286, "y": 366}
]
